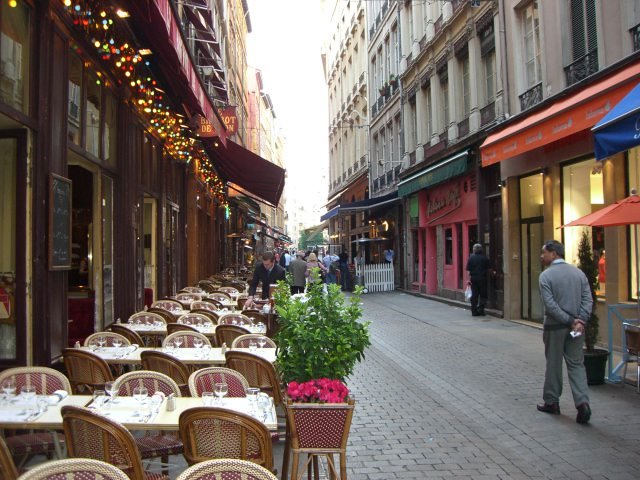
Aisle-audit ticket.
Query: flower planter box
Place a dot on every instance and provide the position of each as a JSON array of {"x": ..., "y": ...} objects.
[{"x": 318, "y": 429}]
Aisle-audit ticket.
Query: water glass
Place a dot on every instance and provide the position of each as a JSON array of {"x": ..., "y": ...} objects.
[
  {"x": 221, "y": 389},
  {"x": 208, "y": 399},
  {"x": 140, "y": 394},
  {"x": 117, "y": 343},
  {"x": 112, "y": 390},
  {"x": 262, "y": 341},
  {"x": 9, "y": 388},
  {"x": 253, "y": 346},
  {"x": 252, "y": 396},
  {"x": 99, "y": 397},
  {"x": 169, "y": 346},
  {"x": 264, "y": 404}
]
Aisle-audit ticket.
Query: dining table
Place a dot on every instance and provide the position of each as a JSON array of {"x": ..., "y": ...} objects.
[
  {"x": 44, "y": 411},
  {"x": 160, "y": 329},
  {"x": 132, "y": 354}
]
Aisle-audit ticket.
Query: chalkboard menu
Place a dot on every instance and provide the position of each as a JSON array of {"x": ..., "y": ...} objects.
[{"x": 59, "y": 223}]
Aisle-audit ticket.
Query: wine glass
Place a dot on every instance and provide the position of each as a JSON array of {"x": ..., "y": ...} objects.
[
  {"x": 169, "y": 346},
  {"x": 99, "y": 397},
  {"x": 262, "y": 341},
  {"x": 9, "y": 388},
  {"x": 221, "y": 389},
  {"x": 112, "y": 390},
  {"x": 208, "y": 399},
  {"x": 101, "y": 342},
  {"x": 253, "y": 346},
  {"x": 252, "y": 396},
  {"x": 140, "y": 394},
  {"x": 116, "y": 342},
  {"x": 177, "y": 341},
  {"x": 264, "y": 404}
]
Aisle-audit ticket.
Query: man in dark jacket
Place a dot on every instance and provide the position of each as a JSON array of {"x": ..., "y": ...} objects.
[
  {"x": 478, "y": 268},
  {"x": 267, "y": 273}
]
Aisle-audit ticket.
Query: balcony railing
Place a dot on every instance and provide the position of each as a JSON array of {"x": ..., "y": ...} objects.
[
  {"x": 363, "y": 161},
  {"x": 531, "y": 97},
  {"x": 582, "y": 68},
  {"x": 635, "y": 35},
  {"x": 488, "y": 114}
]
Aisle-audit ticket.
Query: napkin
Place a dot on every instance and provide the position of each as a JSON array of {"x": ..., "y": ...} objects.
[{"x": 57, "y": 397}]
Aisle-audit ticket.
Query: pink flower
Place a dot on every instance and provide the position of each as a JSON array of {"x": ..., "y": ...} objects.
[{"x": 322, "y": 390}]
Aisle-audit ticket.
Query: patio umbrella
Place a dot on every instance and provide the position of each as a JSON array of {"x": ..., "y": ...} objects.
[{"x": 621, "y": 213}]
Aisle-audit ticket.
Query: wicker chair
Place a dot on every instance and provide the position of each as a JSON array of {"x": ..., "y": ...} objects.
[
  {"x": 232, "y": 291},
  {"x": 86, "y": 370},
  {"x": 169, "y": 365},
  {"x": 75, "y": 469},
  {"x": 108, "y": 337},
  {"x": 46, "y": 381},
  {"x": 207, "y": 286},
  {"x": 191, "y": 290},
  {"x": 227, "y": 468},
  {"x": 228, "y": 333},
  {"x": 256, "y": 316},
  {"x": 241, "y": 301},
  {"x": 110, "y": 442},
  {"x": 259, "y": 372},
  {"x": 211, "y": 432},
  {"x": 204, "y": 305},
  {"x": 318, "y": 430},
  {"x": 218, "y": 304},
  {"x": 243, "y": 341},
  {"x": 163, "y": 312},
  {"x": 212, "y": 316},
  {"x": 8, "y": 469},
  {"x": 179, "y": 327},
  {"x": 188, "y": 297},
  {"x": 204, "y": 379},
  {"x": 632, "y": 341},
  {"x": 221, "y": 297},
  {"x": 168, "y": 304},
  {"x": 234, "y": 319},
  {"x": 131, "y": 335},
  {"x": 157, "y": 444},
  {"x": 146, "y": 317},
  {"x": 187, "y": 338},
  {"x": 193, "y": 319}
]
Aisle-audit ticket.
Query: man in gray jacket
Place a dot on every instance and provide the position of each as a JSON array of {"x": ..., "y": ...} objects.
[
  {"x": 567, "y": 300},
  {"x": 298, "y": 268}
]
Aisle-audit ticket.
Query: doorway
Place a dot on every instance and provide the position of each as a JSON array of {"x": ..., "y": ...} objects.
[
  {"x": 149, "y": 247},
  {"x": 532, "y": 240}
]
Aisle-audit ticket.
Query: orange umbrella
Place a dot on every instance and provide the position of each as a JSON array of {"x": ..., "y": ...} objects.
[{"x": 623, "y": 212}]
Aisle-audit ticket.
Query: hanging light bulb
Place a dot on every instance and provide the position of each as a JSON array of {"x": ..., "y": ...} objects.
[{"x": 13, "y": 3}]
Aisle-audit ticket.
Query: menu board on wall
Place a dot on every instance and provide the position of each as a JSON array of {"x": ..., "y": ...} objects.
[{"x": 59, "y": 223}]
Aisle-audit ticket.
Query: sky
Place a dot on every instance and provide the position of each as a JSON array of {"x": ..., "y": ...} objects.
[{"x": 285, "y": 45}]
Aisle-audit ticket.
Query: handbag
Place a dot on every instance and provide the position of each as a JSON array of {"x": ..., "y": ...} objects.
[{"x": 467, "y": 293}]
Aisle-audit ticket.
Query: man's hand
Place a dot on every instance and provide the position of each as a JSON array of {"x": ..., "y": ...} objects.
[
  {"x": 248, "y": 303},
  {"x": 578, "y": 326}
]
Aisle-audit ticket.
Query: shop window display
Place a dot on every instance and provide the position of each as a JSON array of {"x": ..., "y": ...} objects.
[{"x": 583, "y": 193}]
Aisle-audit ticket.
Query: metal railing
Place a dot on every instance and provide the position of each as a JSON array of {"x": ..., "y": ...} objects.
[
  {"x": 531, "y": 97},
  {"x": 582, "y": 68}
]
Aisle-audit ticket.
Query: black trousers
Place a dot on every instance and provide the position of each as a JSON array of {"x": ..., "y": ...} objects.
[
  {"x": 295, "y": 289},
  {"x": 478, "y": 295}
]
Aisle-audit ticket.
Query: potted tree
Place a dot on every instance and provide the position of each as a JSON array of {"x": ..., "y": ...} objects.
[
  {"x": 320, "y": 340},
  {"x": 393, "y": 81},
  {"x": 595, "y": 359}
]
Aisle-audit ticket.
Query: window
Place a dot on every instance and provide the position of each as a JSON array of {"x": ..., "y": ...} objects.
[
  {"x": 444, "y": 88},
  {"x": 8, "y": 247},
  {"x": 584, "y": 38},
  {"x": 448, "y": 246},
  {"x": 414, "y": 124},
  {"x": 488, "y": 53},
  {"x": 384, "y": 152},
  {"x": 15, "y": 48},
  {"x": 392, "y": 152},
  {"x": 427, "y": 125},
  {"x": 92, "y": 115},
  {"x": 74, "y": 114},
  {"x": 531, "y": 197},
  {"x": 530, "y": 25}
]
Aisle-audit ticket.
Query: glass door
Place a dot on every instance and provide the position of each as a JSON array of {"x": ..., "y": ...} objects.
[
  {"x": 149, "y": 248},
  {"x": 532, "y": 240}
]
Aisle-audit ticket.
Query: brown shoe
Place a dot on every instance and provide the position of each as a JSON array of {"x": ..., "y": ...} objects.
[
  {"x": 584, "y": 413},
  {"x": 552, "y": 408}
]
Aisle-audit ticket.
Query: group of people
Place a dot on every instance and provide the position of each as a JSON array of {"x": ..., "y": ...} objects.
[{"x": 568, "y": 302}]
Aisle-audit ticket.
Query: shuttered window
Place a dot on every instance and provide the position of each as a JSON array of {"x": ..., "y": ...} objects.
[{"x": 584, "y": 38}]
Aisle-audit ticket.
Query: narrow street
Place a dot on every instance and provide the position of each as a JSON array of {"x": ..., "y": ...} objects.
[{"x": 443, "y": 394}]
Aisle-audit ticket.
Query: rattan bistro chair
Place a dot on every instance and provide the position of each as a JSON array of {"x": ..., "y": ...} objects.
[
  {"x": 160, "y": 444},
  {"x": 204, "y": 380},
  {"x": 46, "y": 381},
  {"x": 169, "y": 365},
  {"x": 205, "y": 305},
  {"x": 86, "y": 371},
  {"x": 258, "y": 371},
  {"x": 8, "y": 470},
  {"x": 131, "y": 335},
  {"x": 109, "y": 337},
  {"x": 180, "y": 327},
  {"x": 227, "y": 468},
  {"x": 91, "y": 435},
  {"x": 235, "y": 319},
  {"x": 228, "y": 333},
  {"x": 212, "y": 432},
  {"x": 75, "y": 469},
  {"x": 187, "y": 338},
  {"x": 243, "y": 341}
]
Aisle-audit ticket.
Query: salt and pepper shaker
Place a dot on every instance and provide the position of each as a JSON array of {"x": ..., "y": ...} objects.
[
  {"x": 171, "y": 402},
  {"x": 223, "y": 349},
  {"x": 76, "y": 345}
]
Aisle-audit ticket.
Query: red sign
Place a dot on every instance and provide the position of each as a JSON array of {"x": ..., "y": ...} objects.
[
  {"x": 205, "y": 129},
  {"x": 230, "y": 119}
]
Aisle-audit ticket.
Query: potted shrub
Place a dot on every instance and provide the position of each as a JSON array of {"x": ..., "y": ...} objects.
[
  {"x": 384, "y": 90},
  {"x": 320, "y": 340},
  {"x": 393, "y": 81},
  {"x": 595, "y": 359}
]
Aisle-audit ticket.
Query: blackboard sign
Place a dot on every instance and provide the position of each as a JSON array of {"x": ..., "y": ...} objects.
[{"x": 59, "y": 223}]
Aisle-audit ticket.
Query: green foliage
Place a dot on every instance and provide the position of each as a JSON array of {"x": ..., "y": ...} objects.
[
  {"x": 589, "y": 267},
  {"x": 307, "y": 240},
  {"x": 320, "y": 334}
]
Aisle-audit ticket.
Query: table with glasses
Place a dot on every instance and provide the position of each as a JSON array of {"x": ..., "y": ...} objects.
[
  {"x": 160, "y": 329},
  {"x": 131, "y": 354}
]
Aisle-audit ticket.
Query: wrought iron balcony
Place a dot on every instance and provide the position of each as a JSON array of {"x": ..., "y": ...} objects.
[
  {"x": 582, "y": 68},
  {"x": 635, "y": 34},
  {"x": 488, "y": 114},
  {"x": 531, "y": 97}
]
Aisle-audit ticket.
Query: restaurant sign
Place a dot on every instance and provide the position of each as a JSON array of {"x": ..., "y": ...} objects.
[{"x": 230, "y": 119}]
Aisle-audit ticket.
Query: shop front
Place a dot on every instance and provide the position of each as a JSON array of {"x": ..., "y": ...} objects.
[{"x": 550, "y": 177}]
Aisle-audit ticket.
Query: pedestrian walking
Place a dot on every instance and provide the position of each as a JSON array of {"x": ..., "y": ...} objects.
[
  {"x": 298, "y": 270},
  {"x": 567, "y": 303},
  {"x": 345, "y": 275},
  {"x": 478, "y": 267},
  {"x": 331, "y": 263}
]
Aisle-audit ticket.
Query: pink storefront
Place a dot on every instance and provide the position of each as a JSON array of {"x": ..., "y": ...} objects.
[{"x": 447, "y": 229}]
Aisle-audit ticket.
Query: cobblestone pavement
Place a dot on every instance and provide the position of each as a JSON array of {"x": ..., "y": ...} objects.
[{"x": 442, "y": 394}]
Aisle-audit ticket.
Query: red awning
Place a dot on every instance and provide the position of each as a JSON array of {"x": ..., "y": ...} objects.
[
  {"x": 567, "y": 116},
  {"x": 253, "y": 173}
]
